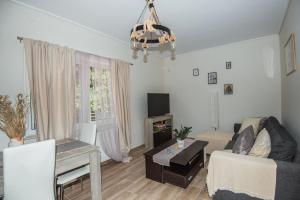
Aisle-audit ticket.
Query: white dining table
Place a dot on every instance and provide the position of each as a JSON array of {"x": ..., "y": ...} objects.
[{"x": 71, "y": 154}]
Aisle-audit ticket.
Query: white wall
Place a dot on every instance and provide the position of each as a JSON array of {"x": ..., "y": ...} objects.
[
  {"x": 255, "y": 76},
  {"x": 18, "y": 20},
  {"x": 255, "y": 70},
  {"x": 291, "y": 83}
]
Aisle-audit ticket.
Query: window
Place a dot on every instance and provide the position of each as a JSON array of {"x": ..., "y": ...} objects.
[{"x": 99, "y": 93}]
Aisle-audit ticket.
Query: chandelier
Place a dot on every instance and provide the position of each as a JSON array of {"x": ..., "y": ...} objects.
[{"x": 150, "y": 33}]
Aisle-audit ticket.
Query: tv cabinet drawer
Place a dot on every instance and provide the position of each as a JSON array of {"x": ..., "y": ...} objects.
[{"x": 162, "y": 137}]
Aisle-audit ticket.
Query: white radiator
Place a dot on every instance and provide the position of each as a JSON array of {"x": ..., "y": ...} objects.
[{"x": 214, "y": 110}]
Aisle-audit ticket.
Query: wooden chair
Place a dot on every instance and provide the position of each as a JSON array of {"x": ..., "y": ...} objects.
[{"x": 87, "y": 135}]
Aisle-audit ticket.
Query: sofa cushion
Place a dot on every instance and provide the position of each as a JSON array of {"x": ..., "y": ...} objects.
[
  {"x": 297, "y": 158},
  {"x": 229, "y": 145},
  {"x": 235, "y": 136},
  {"x": 237, "y": 127},
  {"x": 226, "y": 195},
  {"x": 262, "y": 145},
  {"x": 254, "y": 122},
  {"x": 262, "y": 124},
  {"x": 274, "y": 120},
  {"x": 283, "y": 146},
  {"x": 244, "y": 142}
]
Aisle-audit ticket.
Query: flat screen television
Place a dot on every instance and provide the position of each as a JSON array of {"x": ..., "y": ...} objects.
[{"x": 158, "y": 104}]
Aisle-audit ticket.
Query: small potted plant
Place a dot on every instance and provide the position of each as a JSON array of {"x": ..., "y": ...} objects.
[
  {"x": 182, "y": 134},
  {"x": 13, "y": 120}
]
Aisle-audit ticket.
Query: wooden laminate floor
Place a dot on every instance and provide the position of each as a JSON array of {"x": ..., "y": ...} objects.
[{"x": 126, "y": 181}]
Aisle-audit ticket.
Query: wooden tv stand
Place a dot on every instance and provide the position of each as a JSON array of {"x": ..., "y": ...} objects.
[
  {"x": 183, "y": 167},
  {"x": 158, "y": 130}
]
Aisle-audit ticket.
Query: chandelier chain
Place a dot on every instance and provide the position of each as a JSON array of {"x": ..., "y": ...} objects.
[
  {"x": 142, "y": 14},
  {"x": 156, "y": 16}
]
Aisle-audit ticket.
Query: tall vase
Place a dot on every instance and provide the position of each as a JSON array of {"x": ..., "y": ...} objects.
[{"x": 13, "y": 142}]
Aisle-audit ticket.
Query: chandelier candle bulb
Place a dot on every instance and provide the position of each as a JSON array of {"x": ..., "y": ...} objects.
[
  {"x": 173, "y": 45},
  {"x": 145, "y": 52},
  {"x": 135, "y": 54},
  {"x": 134, "y": 44}
]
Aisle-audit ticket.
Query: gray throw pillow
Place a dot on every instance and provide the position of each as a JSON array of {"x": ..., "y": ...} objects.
[
  {"x": 262, "y": 124},
  {"x": 244, "y": 142},
  {"x": 297, "y": 158}
]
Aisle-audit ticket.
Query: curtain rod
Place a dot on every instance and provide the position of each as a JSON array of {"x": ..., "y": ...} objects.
[{"x": 21, "y": 39}]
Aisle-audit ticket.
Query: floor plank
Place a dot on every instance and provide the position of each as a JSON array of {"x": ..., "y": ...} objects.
[{"x": 126, "y": 181}]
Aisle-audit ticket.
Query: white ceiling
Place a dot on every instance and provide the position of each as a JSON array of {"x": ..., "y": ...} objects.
[{"x": 197, "y": 23}]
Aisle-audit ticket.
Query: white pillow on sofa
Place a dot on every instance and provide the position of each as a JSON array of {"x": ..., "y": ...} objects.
[
  {"x": 254, "y": 122},
  {"x": 262, "y": 145}
]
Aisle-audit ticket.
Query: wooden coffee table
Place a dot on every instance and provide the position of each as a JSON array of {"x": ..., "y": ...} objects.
[{"x": 183, "y": 167}]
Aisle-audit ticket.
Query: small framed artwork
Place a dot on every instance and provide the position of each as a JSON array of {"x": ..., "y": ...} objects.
[
  {"x": 212, "y": 78},
  {"x": 228, "y": 65},
  {"x": 195, "y": 72},
  {"x": 228, "y": 89},
  {"x": 290, "y": 54}
]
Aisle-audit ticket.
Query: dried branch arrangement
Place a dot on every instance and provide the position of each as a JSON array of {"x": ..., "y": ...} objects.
[{"x": 13, "y": 120}]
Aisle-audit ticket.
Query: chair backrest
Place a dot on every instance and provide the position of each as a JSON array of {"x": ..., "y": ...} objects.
[
  {"x": 4, "y": 140},
  {"x": 29, "y": 171},
  {"x": 88, "y": 133}
]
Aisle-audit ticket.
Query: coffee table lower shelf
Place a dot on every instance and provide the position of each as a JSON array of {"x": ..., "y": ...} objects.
[{"x": 181, "y": 179}]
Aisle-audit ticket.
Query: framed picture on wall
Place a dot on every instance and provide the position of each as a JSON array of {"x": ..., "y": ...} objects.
[
  {"x": 228, "y": 65},
  {"x": 212, "y": 78},
  {"x": 195, "y": 72},
  {"x": 228, "y": 89},
  {"x": 290, "y": 54}
]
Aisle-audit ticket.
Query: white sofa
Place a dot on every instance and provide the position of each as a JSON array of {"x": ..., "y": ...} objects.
[
  {"x": 238, "y": 173},
  {"x": 244, "y": 177}
]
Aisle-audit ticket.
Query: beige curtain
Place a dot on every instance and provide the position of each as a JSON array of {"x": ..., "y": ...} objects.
[
  {"x": 121, "y": 91},
  {"x": 51, "y": 73}
]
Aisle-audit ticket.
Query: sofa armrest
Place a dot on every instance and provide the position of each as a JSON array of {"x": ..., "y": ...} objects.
[
  {"x": 286, "y": 176},
  {"x": 288, "y": 180},
  {"x": 251, "y": 175},
  {"x": 239, "y": 160},
  {"x": 237, "y": 127}
]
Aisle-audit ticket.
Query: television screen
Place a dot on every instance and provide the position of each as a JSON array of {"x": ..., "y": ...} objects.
[{"x": 158, "y": 104}]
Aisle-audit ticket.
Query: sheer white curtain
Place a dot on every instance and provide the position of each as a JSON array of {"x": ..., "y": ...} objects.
[
  {"x": 82, "y": 99},
  {"x": 95, "y": 101}
]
